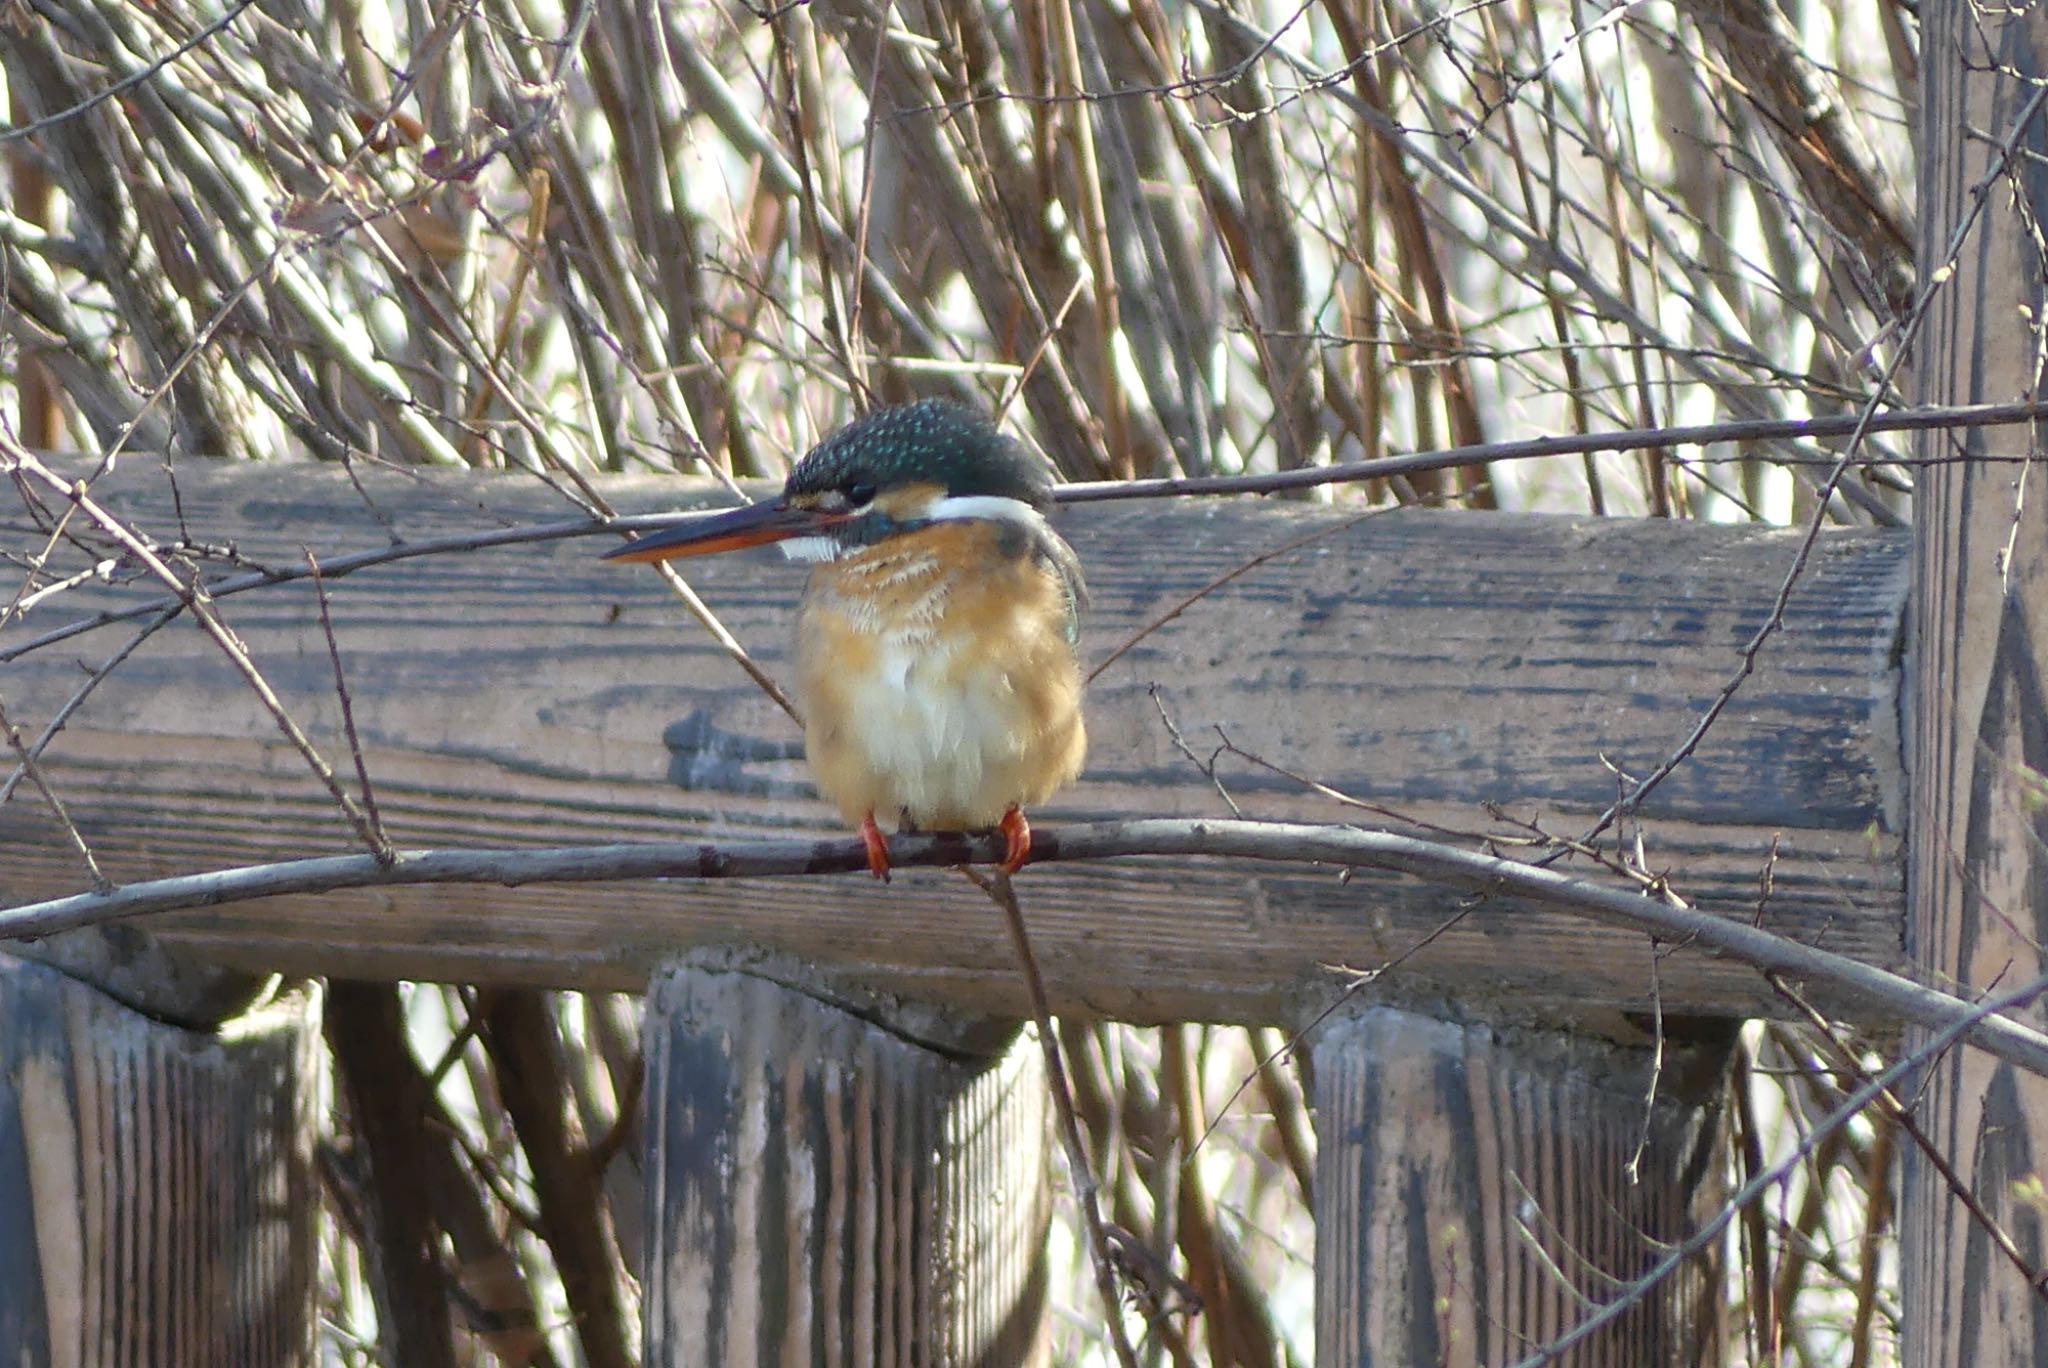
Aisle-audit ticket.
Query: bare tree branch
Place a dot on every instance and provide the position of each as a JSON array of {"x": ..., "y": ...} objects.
[
  {"x": 133, "y": 79},
  {"x": 1581, "y": 444},
  {"x": 201, "y": 607},
  {"x": 1340, "y": 846},
  {"x": 1087, "y": 1189},
  {"x": 1353, "y": 472}
]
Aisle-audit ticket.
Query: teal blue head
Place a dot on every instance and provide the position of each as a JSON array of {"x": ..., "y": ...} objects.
[
  {"x": 930, "y": 443},
  {"x": 893, "y": 471}
]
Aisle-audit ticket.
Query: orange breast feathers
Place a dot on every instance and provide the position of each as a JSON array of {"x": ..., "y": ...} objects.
[{"x": 936, "y": 678}]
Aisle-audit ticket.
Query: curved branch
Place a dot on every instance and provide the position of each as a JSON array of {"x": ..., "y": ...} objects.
[{"x": 1292, "y": 842}]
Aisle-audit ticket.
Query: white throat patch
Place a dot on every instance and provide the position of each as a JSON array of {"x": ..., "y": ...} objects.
[
  {"x": 970, "y": 507},
  {"x": 810, "y": 549}
]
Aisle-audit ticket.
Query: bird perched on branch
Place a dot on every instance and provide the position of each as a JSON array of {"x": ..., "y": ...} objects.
[{"x": 935, "y": 644}]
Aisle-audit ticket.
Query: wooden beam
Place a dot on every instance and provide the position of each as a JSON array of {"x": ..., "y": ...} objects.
[
  {"x": 822, "y": 1188},
  {"x": 1427, "y": 663},
  {"x": 1479, "y": 1191},
  {"x": 1977, "y": 917},
  {"x": 155, "y": 1183}
]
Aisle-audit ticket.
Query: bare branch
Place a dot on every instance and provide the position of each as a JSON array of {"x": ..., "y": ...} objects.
[
  {"x": 210, "y": 621},
  {"x": 1354, "y": 472},
  {"x": 381, "y": 843},
  {"x": 1087, "y": 1191},
  {"x": 1338, "y": 846},
  {"x": 127, "y": 82},
  {"x": 1858, "y": 430},
  {"x": 28, "y": 766},
  {"x": 1582, "y": 444}
]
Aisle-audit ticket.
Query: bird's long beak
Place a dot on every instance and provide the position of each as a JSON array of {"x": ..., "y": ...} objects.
[{"x": 771, "y": 520}]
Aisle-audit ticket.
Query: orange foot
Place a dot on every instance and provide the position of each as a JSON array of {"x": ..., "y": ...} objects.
[
  {"x": 878, "y": 847},
  {"x": 1017, "y": 840}
]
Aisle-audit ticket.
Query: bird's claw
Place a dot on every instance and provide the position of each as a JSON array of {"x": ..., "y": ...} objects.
[
  {"x": 1016, "y": 840},
  {"x": 877, "y": 847},
  {"x": 1016, "y": 844}
]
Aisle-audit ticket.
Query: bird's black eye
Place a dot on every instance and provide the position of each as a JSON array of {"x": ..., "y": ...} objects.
[{"x": 860, "y": 493}]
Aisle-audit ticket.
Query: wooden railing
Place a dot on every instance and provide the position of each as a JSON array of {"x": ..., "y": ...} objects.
[{"x": 1423, "y": 666}]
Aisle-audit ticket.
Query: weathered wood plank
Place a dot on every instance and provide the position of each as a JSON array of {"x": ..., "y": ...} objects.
[
  {"x": 1427, "y": 662},
  {"x": 156, "y": 1189},
  {"x": 1977, "y": 915},
  {"x": 1474, "y": 1198},
  {"x": 822, "y": 1189}
]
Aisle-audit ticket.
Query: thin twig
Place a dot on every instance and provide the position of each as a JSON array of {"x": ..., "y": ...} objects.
[
  {"x": 1634, "y": 1167},
  {"x": 727, "y": 642},
  {"x": 335, "y": 567},
  {"x": 84, "y": 691},
  {"x": 1004, "y": 894},
  {"x": 1356, "y": 982},
  {"x": 194, "y": 597},
  {"x": 100, "y": 882},
  {"x": 1242, "y": 568},
  {"x": 1581, "y": 444},
  {"x": 129, "y": 82},
  {"x": 1714, "y": 1228},
  {"x": 2036, "y": 1279},
  {"x": 381, "y": 841},
  {"x": 1180, "y": 743}
]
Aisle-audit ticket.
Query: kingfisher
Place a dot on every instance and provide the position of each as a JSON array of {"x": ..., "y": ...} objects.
[{"x": 937, "y": 639}]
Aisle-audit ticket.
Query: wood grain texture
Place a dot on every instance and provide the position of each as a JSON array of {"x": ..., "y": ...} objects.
[
  {"x": 823, "y": 1190},
  {"x": 1978, "y": 906},
  {"x": 155, "y": 1192},
  {"x": 1473, "y": 1200},
  {"x": 1431, "y": 663}
]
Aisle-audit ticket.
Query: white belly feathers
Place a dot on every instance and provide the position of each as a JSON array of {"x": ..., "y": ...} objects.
[{"x": 940, "y": 696}]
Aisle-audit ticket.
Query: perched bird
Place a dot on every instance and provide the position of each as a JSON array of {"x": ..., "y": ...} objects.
[{"x": 935, "y": 644}]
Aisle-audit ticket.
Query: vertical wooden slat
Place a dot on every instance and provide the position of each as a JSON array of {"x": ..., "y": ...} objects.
[
  {"x": 155, "y": 1189},
  {"x": 1473, "y": 1199},
  {"x": 822, "y": 1189},
  {"x": 1977, "y": 899}
]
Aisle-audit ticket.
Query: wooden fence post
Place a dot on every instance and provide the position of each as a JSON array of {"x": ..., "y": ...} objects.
[
  {"x": 1977, "y": 900},
  {"x": 822, "y": 1188},
  {"x": 155, "y": 1182},
  {"x": 1473, "y": 1198}
]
